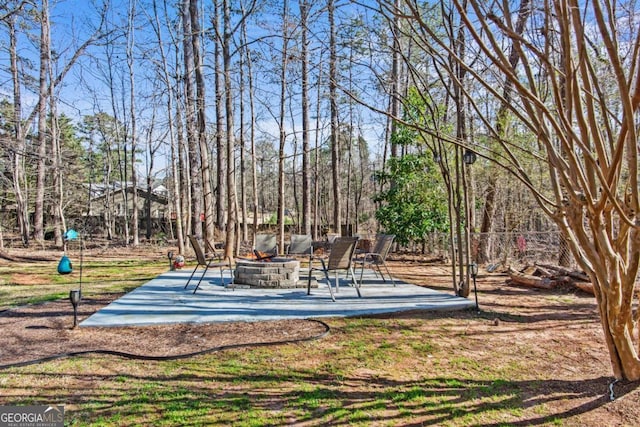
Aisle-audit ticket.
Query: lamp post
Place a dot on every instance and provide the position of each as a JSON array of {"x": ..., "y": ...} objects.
[
  {"x": 170, "y": 256},
  {"x": 473, "y": 269},
  {"x": 74, "y": 297},
  {"x": 469, "y": 157}
]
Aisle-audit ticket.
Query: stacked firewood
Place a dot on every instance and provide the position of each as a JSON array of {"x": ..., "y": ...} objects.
[{"x": 547, "y": 276}]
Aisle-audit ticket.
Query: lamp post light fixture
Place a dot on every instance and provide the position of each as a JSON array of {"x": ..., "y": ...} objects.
[
  {"x": 74, "y": 297},
  {"x": 469, "y": 157},
  {"x": 473, "y": 270}
]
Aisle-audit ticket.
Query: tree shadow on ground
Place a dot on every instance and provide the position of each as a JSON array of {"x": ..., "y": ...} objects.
[{"x": 322, "y": 399}]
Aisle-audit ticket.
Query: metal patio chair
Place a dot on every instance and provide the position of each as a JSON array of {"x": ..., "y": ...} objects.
[
  {"x": 340, "y": 258},
  {"x": 301, "y": 244},
  {"x": 377, "y": 257},
  {"x": 265, "y": 247},
  {"x": 212, "y": 259}
]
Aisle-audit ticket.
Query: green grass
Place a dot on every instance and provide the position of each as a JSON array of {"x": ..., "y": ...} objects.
[
  {"x": 45, "y": 284},
  {"x": 356, "y": 376},
  {"x": 243, "y": 388}
]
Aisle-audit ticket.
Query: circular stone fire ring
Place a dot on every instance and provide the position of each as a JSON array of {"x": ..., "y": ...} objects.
[{"x": 273, "y": 273}]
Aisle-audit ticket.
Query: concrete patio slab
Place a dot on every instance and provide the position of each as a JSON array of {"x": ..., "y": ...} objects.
[{"x": 164, "y": 300}]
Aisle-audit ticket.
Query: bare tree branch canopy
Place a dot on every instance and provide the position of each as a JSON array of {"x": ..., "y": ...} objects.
[
  {"x": 573, "y": 103},
  {"x": 543, "y": 94}
]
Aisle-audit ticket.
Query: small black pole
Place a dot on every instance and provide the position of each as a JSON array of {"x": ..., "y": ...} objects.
[
  {"x": 475, "y": 291},
  {"x": 474, "y": 273},
  {"x": 81, "y": 261},
  {"x": 74, "y": 297}
]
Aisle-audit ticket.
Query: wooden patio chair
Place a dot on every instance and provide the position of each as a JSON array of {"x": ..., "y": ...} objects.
[
  {"x": 212, "y": 259},
  {"x": 340, "y": 258},
  {"x": 377, "y": 257}
]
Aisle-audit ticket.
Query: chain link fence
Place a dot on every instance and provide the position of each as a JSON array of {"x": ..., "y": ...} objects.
[{"x": 508, "y": 248}]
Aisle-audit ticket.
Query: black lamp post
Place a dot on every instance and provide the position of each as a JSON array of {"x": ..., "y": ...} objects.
[
  {"x": 170, "y": 256},
  {"x": 469, "y": 157},
  {"x": 74, "y": 297},
  {"x": 473, "y": 269}
]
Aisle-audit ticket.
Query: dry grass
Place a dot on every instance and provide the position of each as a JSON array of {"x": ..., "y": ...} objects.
[{"x": 529, "y": 357}]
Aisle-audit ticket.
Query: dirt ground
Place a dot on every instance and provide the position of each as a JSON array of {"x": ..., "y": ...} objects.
[{"x": 559, "y": 328}]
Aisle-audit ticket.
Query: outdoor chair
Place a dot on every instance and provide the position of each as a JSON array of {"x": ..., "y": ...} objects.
[
  {"x": 340, "y": 258},
  {"x": 331, "y": 237},
  {"x": 301, "y": 244},
  {"x": 212, "y": 259},
  {"x": 265, "y": 247},
  {"x": 377, "y": 257}
]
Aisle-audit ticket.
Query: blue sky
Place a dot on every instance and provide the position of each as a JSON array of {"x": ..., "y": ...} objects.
[{"x": 84, "y": 90}]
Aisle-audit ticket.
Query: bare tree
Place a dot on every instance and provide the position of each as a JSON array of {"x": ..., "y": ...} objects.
[
  {"x": 46, "y": 88},
  {"x": 244, "y": 234},
  {"x": 195, "y": 167},
  {"x": 501, "y": 119},
  {"x": 230, "y": 242},
  {"x": 306, "y": 144},
  {"x": 282, "y": 134},
  {"x": 41, "y": 166},
  {"x": 174, "y": 152},
  {"x": 57, "y": 204},
  {"x": 221, "y": 169},
  {"x": 336, "y": 162},
  {"x": 580, "y": 100},
  {"x": 228, "y": 31},
  {"x": 201, "y": 121},
  {"x": 131, "y": 30},
  {"x": 246, "y": 50},
  {"x": 17, "y": 153}
]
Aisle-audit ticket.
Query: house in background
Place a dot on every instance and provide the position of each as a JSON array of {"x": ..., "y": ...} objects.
[{"x": 111, "y": 203}]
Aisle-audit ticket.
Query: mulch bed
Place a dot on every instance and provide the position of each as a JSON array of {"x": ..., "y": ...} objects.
[{"x": 43, "y": 331}]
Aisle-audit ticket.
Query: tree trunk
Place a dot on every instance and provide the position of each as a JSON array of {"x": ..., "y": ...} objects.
[
  {"x": 588, "y": 144},
  {"x": 108, "y": 197},
  {"x": 57, "y": 211},
  {"x": 16, "y": 155},
  {"x": 41, "y": 166},
  {"x": 220, "y": 144},
  {"x": 174, "y": 153},
  {"x": 502, "y": 116},
  {"x": 281, "y": 122},
  {"x": 195, "y": 168},
  {"x": 617, "y": 323},
  {"x": 336, "y": 163},
  {"x": 243, "y": 155},
  {"x": 395, "y": 78},
  {"x": 135, "y": 222},
  {"x": 316, "y": 165},
  {"x": 183, "y": 161},
  {"x": 252, "y": 149},
  {"x": 201, "y": 125},
  {"x": 306, "y": 156},
  {"x": 119, "y": 155},
  {"x": 230, "y": 246}
]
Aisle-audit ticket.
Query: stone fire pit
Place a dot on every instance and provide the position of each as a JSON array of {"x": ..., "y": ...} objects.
[{"x": 275, "y": 273}]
